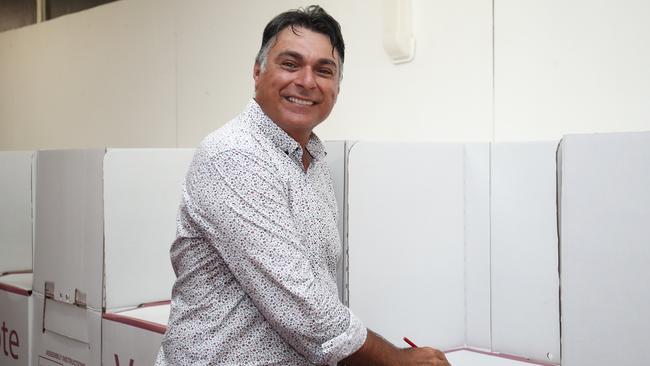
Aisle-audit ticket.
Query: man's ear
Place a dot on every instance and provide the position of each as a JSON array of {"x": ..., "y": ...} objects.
[{"x": 257, "y": 71}]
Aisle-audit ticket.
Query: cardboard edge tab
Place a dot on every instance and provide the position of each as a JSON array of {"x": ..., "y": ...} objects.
[
  {"x": 15, "y": 290},
  {"x": 134, "y": 322}
]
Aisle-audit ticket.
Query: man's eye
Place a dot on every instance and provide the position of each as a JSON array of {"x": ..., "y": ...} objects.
[
  {"x": 289, "y": 65},
  {"x": 326, "y": 72}
]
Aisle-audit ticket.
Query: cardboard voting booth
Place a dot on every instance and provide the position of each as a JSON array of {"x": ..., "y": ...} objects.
[
  {"x": 432, "y": 255},
  {"x": 15, "y": 256},
  {"x": 604, "y": 195},
  {"x": 104, "y": 220},
  {"x": 458, "y": 250}
]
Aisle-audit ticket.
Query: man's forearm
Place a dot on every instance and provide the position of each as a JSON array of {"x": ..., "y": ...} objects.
[
  {"x": 377, "y": 351},
  {"x": 374, "y": 351}
]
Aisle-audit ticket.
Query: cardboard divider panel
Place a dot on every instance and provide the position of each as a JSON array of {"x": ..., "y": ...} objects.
[
  {"x": 68, "y": 257},
  {"x": 68, "y": 219},
  {"x": 604, "y": 249},
  {"x": 15, "y": 211},
  {"x": 406, "y": 241},
  {"x": 336, "y": 158},
  {"x": 524, "y": 251},
  {"x": 477, "y": 245},
  {"x": 142, "y": 192}
]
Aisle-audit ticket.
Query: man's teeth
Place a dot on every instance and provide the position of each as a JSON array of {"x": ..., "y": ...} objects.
[{"x": 300, "y": 101}]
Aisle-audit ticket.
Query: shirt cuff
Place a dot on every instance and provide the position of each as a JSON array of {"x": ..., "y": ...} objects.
[{"x": 347, "y": 342}]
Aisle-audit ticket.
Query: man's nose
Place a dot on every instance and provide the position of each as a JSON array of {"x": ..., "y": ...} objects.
[{"x": 305, "y": 78}]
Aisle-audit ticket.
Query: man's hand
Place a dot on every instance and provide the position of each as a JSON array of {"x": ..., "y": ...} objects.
[
  {"x": 379, "y": 352},
  {"x": 423, "y": 356}
]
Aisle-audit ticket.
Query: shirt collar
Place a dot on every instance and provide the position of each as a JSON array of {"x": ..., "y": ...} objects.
[{"x": 253, "y": 112}]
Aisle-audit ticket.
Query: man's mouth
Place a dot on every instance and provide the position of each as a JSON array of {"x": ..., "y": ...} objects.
[{"x": 299, "y": 101}]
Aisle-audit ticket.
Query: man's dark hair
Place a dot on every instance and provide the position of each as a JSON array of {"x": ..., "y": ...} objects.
[{"x": 313, "y": 18}]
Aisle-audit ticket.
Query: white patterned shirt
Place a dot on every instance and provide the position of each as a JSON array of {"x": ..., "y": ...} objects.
[{"x": 255, "y": 255}]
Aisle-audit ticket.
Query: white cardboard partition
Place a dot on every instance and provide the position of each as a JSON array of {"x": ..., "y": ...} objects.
[
  {"x": 605, "y": 249},
  {"x": 524, "y": 251},
  {"x": 142, "y": 192},
  {"x": 15, "y": 319},
  {"x": 133, "y": 337},
  {"x": 477, "y": 245},
  {"x": 406, "y": 241},
  {"x": 68, "y": 220},
  {"x": 68, "y": 257},
  {"x": 15, "y": 211}
]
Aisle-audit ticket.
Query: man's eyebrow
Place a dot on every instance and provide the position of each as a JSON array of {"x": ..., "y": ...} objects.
[
  {"x": 293, "y": 54},
  {"x": 298, "y": 56},
  {"x": 328, "y": 61}
]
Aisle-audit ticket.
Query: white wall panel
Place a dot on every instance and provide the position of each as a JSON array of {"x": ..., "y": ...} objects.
[
  {"x": 524, "y": 251},
  {"x": 406, "y": 241}
]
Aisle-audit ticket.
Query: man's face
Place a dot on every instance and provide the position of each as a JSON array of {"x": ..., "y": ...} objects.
[{"x": 299, "y": 87}]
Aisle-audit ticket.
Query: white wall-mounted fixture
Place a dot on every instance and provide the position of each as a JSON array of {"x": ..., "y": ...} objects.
[{"x": 399, "y": 41}]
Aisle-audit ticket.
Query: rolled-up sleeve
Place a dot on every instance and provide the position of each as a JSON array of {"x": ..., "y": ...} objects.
[{"x": 242, "y": 206}]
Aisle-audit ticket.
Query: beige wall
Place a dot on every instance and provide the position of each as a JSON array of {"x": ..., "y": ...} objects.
[
  {"x": 140, "y": 73},
  {"x": 571, "y": 66},
  {"x": 100, "y": 77}
]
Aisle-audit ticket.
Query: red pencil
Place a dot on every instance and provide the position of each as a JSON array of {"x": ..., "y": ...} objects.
[{"x": 410, "y": 343}]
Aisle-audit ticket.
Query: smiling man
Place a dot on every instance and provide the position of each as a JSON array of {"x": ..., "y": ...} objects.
[{"x": 257, "y": 242}]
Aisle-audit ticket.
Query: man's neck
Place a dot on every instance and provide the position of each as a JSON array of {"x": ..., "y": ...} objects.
[
  {"x": 301, "y": 138},
  {"x": 306, "y": 158}
]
